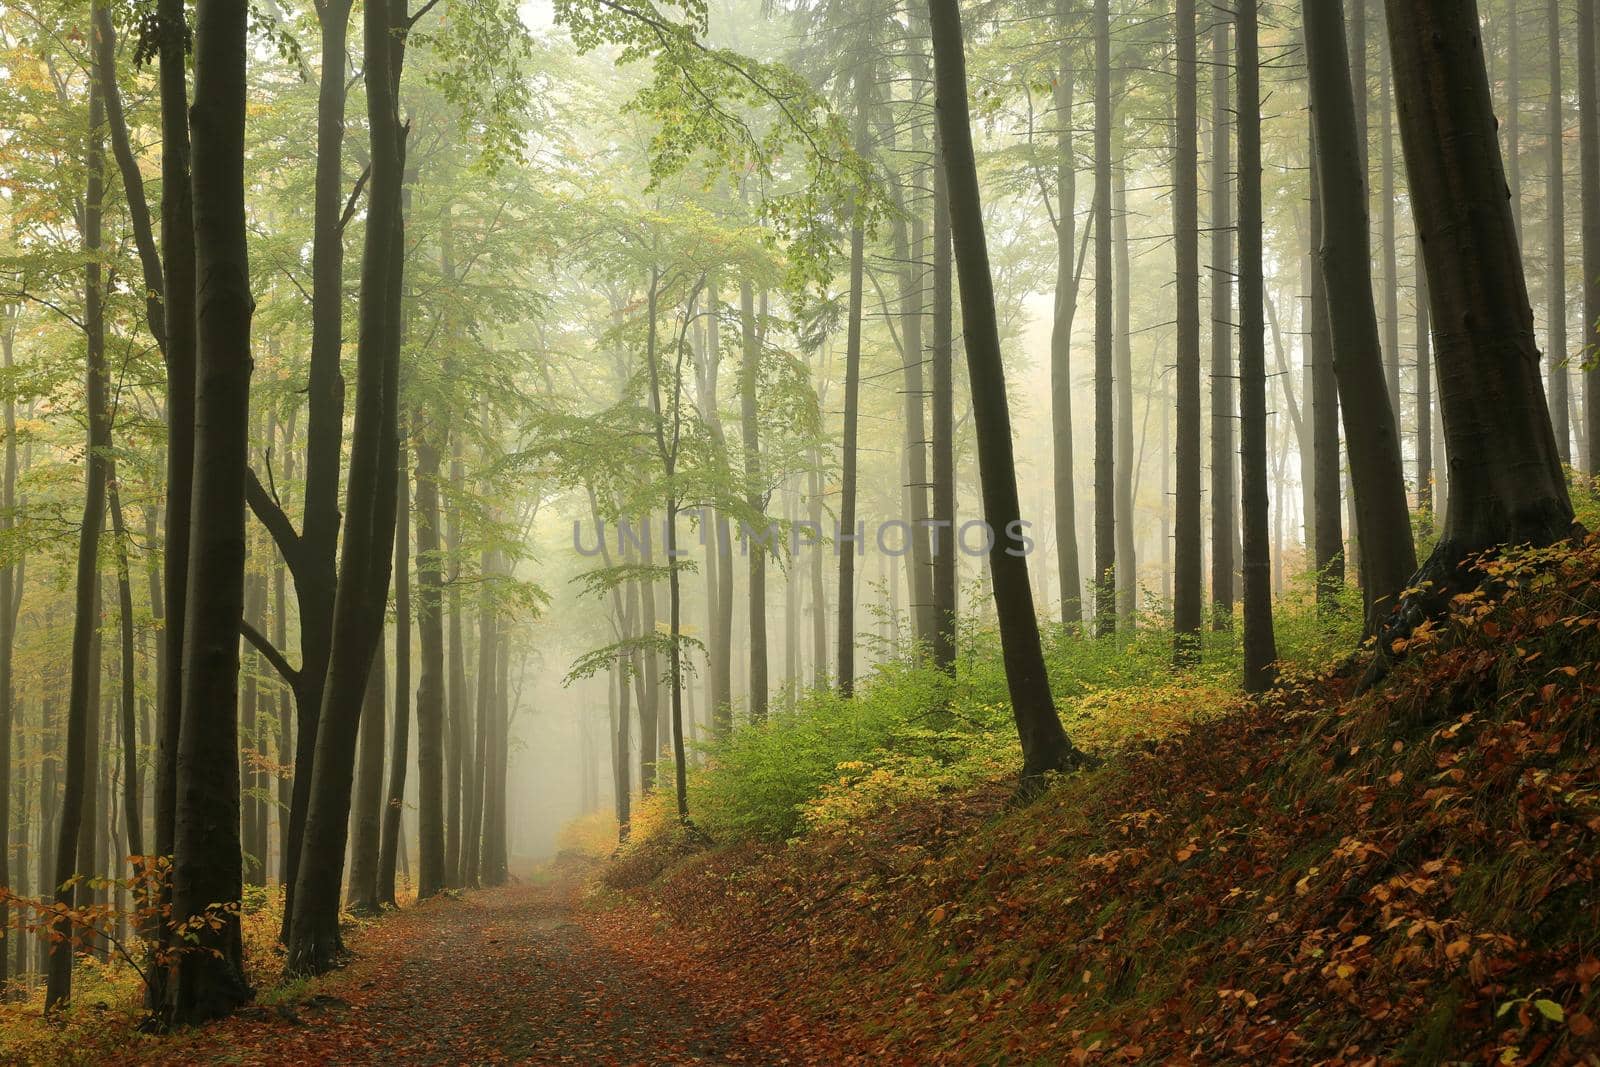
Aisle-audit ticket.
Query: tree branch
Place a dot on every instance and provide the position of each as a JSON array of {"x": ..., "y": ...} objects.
[
  {"x": 269, "y": 652},
  {"x": 273, "y": 518}
]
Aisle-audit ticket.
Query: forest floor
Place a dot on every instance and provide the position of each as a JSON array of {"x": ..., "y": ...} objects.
[{"x": 515, "y": 974}]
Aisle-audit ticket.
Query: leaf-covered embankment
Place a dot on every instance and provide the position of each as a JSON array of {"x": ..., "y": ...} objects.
[{"x": 1411, "y": 874}]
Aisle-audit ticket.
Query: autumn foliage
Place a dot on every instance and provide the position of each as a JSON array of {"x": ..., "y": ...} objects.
[{"x": 1409, "y": 875}]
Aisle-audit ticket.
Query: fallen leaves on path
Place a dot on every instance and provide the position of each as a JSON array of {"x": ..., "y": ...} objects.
[{"x": 515, "y": 975}]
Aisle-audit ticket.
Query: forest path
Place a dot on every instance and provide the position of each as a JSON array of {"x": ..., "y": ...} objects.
[{"x": 513, "y": 975}]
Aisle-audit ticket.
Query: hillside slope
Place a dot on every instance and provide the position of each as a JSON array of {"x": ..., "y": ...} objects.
[{"x": 1409, "y": 875}]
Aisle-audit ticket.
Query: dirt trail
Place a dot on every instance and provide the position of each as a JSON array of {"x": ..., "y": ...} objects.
[{"x": 517, "y": 975}]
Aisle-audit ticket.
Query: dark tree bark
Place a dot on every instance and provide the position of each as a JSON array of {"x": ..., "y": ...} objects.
[
  {"x": 365, "y": 559},
  {"x": 1513, "y": 121},
  {"x": 1555, "y": 246},
  {"x": 1387, "y": 244},
  {"x": 755, "y": 500},
  {"x": 11, "y": 575},
  {"x": 1127, "y": 570},
  {"x": 1589, "y": 200},
  {"x": 312, "y": 554},
  {"x": 819, "y": 589},
  {"x": 255, "y": 870},
  {"x": 430, "y": 682},
  {"x": 847, "y": 549},
  {"x": 1188, "y": 582},
  {"x": 367, "y": 803},
  {"x": 473, "y": 845},
  {"x": 1327, "y": 529},
  {"x": 1224, "y": 484},
  {"x": 1066, "y": 305},
  {"x": 280, "y": 639},
  {"x": 459, "y": 770},
  {"x": 78, "y": 776},
  {"x": 395, "y": 798},
  {"x": 1424, "y": 394},
  {"x": 1377, "y": 473},
  {"x": 178, "y": 295},
  {"x": 1105, "y": 507},
  {"x": 210, "y": 981},
  {"x": 942, "y": 427},
  {"x": 1260, "y": 648},
  {"x": 1045, "y": 745},
  {"x": 1506, "y": 481}
]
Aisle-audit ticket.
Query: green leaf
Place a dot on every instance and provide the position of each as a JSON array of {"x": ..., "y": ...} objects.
[{"x": 1550, "y": 1010}]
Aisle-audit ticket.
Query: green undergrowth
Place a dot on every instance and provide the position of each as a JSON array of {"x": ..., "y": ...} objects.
[{"x": 1408, "y": 875}]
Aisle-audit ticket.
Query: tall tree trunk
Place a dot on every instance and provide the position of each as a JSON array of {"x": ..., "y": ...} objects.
[
  {"x": 81, "y": 710},
  {"x": 755, "y": 500},
  {"x": 10, "y": 603},
  {"x": 848, "y": 547},
  {"x": 1425, "y": 501},
  {"x": 1066, "y": 304},
  {"x": 1045, "y": 745},
  {"x": 1555, "y": 245},
  {"x": 1224, "y": 484},
  {"x": 209, "y": 980},
  {"x": 458, "y": 730},
  {"x": 365, "y": 559},
  {"x": 1105, "y": 509},
  {"x": 1513, "y": 113},
  {"x": 1377, "y": 473},
  {"x": 367, "y": 804},
  {"x": 394, "y": 803},
  {"x": 1506, "y": 482},
  {"x": 1589, "y": 166},
  {"x": 430, "y": 683},
  {"x": 819, "y": 590},
  {"x": 1327, "y": 527},
  {"x": 178, "y": 296},
  {"x": 312, "y": 556},
  {"x": 1127, "y": 570},
  {"x": 255, "y": 870},
  {"x": 473, "y": 845},
  {"x": 1260, "y": 648},
  {"x": 1188, "y": 583},
  {"x": 942, "y": 427},
  {"x": 1386, "y": 241}
]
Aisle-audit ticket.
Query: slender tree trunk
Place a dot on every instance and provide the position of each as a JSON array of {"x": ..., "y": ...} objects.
[
  {"x": 1327, "y": 535},
  {"x": 942, "y": 436},
  {"x": 81, "y": 709},
  {"x": 430, "y": 683},
  {"x": 313, "y": 554},
  {"x": 847, "y": 546},
  {"x": 755, "y": 500},
  {"x": 367, "y": 805},
  {"x": 1387, "y": 557},
  {"x": 1188, "y": 583},
  {"x": 819, "y": 591},
  {"x": 1506, "y": 481},
  {"x": 394, "y": 803},
  {"x": 1555, "y": 246},
  {"x": 1045, "y": 745},
  {"x": 1105, "y": 509},
  {"x": 255, "y": 869},
  {"x": 1260, "y": 648},
  {"x": 1386, "y": 241},
  {"x": 1513, "y": 113},
  {"x": 1127, "y": 570},
  {"x": 178, "y": 295},
  {"x": 1425, "y": 502},
  {"x": 1589, "y": 152},
  {"x": 10, "y": 602},
  {"x": 1224, "y": 484},
  {"x": 365, "y": 560},
  {"x": 473, "y": 845},
  {"x": 209, "y": 981},
  {"x": 1066, "y": 303},
  {"x": 459, "y": 770}
]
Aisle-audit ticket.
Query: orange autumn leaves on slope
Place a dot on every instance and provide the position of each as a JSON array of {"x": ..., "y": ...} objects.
[{"x": 1411, "y": 873}]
